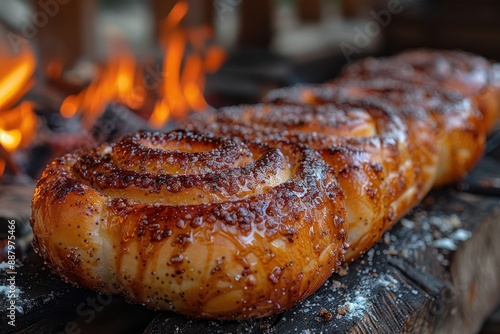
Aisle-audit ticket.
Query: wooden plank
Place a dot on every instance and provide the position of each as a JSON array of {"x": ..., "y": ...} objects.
[{"x": 435, "y": 271}]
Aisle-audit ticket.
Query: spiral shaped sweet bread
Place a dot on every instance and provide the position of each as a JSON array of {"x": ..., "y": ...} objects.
[
  {"x": 364, "y": 141},
  {"x": 446, "y": 129},
  {"x": 250, "y": 209},
  {"x": 445, "y": 137},
  {"x": 205, "y": 226},
  {"x": 470, "y": 74}
]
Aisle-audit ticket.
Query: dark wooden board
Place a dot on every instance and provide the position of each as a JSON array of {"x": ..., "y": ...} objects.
[{"x": 412, "y": 281}]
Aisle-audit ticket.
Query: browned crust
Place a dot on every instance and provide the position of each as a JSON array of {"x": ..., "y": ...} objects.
[
  {"x": 254, "y": 214},
  {"x": 240, "y": 255}
]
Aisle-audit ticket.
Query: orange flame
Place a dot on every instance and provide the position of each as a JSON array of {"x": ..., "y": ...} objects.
[
  {"x": 18, "y": 124},
  {"x": 54, "y": 68},
  {"x": 2, "y": 167},
  {"x": 15, "y": 75},
  {"x": 115, "y": 81},
  {"x": 180, "y": 87},
  {"x": 161, "y": 113},
  {"x": 184, "y": 85},
  {"x": 17, "y": 127}
]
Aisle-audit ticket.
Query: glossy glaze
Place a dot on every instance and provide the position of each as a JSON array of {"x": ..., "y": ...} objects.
[
  {"x": 253, "y": 211},
  {"x": 470, "y": 74},
  {"x": 235, "y": 238}
]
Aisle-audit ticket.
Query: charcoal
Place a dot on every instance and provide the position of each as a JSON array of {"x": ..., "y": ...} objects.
[{"x": 116, "y": 121}]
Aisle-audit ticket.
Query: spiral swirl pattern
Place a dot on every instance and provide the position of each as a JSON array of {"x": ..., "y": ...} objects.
[
  {"x": 446, "y": 129},
  {"x": 445, "y": 139},
  {"x": 201, "y": 225},
  {"x": 469, "y": 74},
  {"x": 364, "y": 141}
]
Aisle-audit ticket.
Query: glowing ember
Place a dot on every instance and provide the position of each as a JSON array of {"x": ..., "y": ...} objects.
[
  {"x": 10, "y": 139},
  {"x": 17, "y": 127},
  {"x": 18, "y": 124}
]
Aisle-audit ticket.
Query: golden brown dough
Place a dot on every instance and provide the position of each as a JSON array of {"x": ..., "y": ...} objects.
[
  {"x": 250, "y": 213},
  {"x": 445, "y": 127},
  {"x": 445, "y": 139},
  {"x": 470, "y": 74},
  {"x": 364, "y": 141},
  {"x": 204, "y": 226}
]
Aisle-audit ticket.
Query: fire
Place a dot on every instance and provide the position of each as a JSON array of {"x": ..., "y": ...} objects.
[
  {"x": 17, "y": 124},
  {"x": 16, "y": 72},
  {"x": 115, "y": 81},
  {"x": 185, "y": 82},
  {"x": 17, "y": 127},
  {"x": 178, "y": 90},
  {"x": 54, "y": 69}
]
